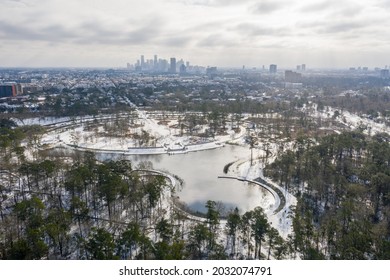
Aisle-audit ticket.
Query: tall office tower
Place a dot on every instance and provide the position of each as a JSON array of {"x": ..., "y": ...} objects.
[
  {"x": 303, "y": 67},
  {"x": 187, "y": 64},
  {"x": 142, "y": 62},
  {"x": 298, "y": 67},
  {"x": 179, "y": 63},
  {"x": 273, "y": 68},
  {"x": 183, "y": 69},
  {"x": 138, "y": 66},
  {"x": 172, "y": 68},
  {"x": 149, "y": 64},
  {"x": 155, "y": 62},
  {"x": 163, "y": 65}
]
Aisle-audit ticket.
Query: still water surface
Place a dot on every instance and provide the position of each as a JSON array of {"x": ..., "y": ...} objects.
[{"x": 200, "y": 171}]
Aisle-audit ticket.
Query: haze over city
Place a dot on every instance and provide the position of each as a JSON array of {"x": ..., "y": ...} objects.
[{"x": 70, "y": 33}]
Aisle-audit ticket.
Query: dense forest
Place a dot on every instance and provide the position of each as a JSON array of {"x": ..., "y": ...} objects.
[{"x": 343, "y": 189}]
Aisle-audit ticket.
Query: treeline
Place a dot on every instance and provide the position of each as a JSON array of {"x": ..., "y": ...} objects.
[
  {"x": 372, "y": 102},
  {"x": 90, "y": 210},
  {"x": 53, "y": 210},
  {"x": 343, "y": 189}
]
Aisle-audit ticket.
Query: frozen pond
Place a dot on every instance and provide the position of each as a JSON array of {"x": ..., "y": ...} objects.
[{"x": 200, "y": 171}]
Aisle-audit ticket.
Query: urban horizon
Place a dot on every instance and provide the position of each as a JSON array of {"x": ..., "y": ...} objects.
[{"x": 223, "y": 33}]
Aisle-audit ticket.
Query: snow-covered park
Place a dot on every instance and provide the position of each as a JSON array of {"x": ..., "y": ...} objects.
[
  {"x": 134, "y": 134},
  {"x": 152, "y": 133}
]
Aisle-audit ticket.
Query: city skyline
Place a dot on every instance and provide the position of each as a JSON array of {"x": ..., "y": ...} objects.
[{"x": 223, "y": 33}]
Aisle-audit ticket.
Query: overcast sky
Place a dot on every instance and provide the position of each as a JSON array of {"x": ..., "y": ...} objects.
[{"x": 110, "y": 33}]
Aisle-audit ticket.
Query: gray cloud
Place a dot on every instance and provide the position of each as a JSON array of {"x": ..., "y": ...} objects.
[
  {"x": 49, "y": 33},
  {"x": 85, "y": 33},
  {"x": 207, "y": 27},
  {"x": 17, "y": 2},
  {"x": 343, "y": 27},
  {"x": 255, "y": 30},
  {"x": 267, "y": 7},
  {"x": 384, "y": 3},
  {"x": 56, "y": 32},
  {"x": 349, "y": 11},
  {"x": 22, "y": 3},
  {"x": 334, "y": 8},
  {"x": 346, "y": 33},
  {"x": 217, "y": 40},
  {"x": 275, "y": 45},
  {"x": 177, "y": 41},
  {"x": 326, "y": 27},
  {"x": 319, "y": 6},
  {"x": 309, "y": 24},
  {"x": 214, "y": 3},
  {"x": 198, "y": 2},
  {"x": 144, "y": 34}
]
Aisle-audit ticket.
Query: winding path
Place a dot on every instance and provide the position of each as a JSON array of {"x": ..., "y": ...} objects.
[{"x": 280, "y": 200}]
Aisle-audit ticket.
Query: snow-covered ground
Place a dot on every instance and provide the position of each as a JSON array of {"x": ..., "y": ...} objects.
[
  {"x": 281, "y": 220},
  {"x": 348, "y": 119},
  {"x": 163, "y": 138}
]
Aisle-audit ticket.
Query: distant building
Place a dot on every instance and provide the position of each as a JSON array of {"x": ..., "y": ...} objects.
[
  {"x": 172, "y": 68},
  {"x": 292, "y": 77},
  {"x": 273, "y": 68},
  {"x": 385, "y": 73},
  {"x": 179, "y": 64},
  {"x": 183, "y": 69},
  {"x": 163, "y": 65},
  {"x": 303, "y": 67},
  {"x": 19, "y": 89},
  {"x": 298, "y": 67},
  {"x": 293, "y": 85},
  {"x": 211, "y": 72},
  {"x": 8, "y": 90},
  {"x": 142, "y": 62},
  {"x": 155, "y": 62},
  {"x": 31, "y": 89}
]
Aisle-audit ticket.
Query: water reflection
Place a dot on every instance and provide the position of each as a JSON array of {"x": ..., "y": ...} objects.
[{"x": 200, "y": 171}]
